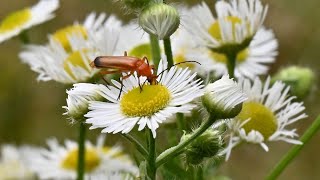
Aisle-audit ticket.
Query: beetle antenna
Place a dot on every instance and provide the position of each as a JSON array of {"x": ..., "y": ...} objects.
[{"x": 178, "y": 64}]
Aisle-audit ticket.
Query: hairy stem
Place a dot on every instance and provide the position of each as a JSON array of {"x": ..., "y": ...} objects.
[
  {"x": 151, "y": 164},
  {"x": 294, "y": 151},
  {"x": 231, "y": 63},
  {"x": 178, "y": 149},
  {"x": 155, "y": 50},
  {"x": 81, "y": 151},
  {"x": 168, "y": 51}
]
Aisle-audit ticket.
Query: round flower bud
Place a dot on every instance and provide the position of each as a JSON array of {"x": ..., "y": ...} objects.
[
  {"x": 223, "y": 98},
  {"x": 300, "y": 80},
  {"x": 78, "y": 100},
  {"x": 160, "y": 20},
  {"x": 206, "y": 145}
]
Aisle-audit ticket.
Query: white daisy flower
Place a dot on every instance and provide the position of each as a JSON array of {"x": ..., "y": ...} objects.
[
  {"x": 12, "y": 164},
  {"x": 250, "y": 62},
  {"x": 18, "y": 21},
  {"x": 265, "y": 115},
  {"x": 60, "y": 162},
  {"x": 56, "y": 61},
  {"x": 78, "y": 100},
  {"x": 150, "y": 107},
  {"x": 236, "y": 23}
]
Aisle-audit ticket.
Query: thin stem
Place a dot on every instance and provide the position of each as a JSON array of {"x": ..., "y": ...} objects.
[
  {"x": 151, "y": 165},
  {"x": 231, "y": 63},
  {"x": 180, "y": 121},
  {"x": 24, "y": 38},
  {"x": 293, "y": 152},
  {"x": 178, "y": 149},
  {"x": 81, "y": 151},
  {"x": 155, "y": 50},
  {"x": 138, "y": 145},
  {"x": 168, "y": 51}
]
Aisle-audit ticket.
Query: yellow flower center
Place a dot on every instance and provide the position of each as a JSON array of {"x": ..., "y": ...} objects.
[
  {"x": 181, "y": 58},
  {"x": 220, "y": 57},
  {"x": 141, "y": 51},
  {"x": 62, "y": 35},
  {"x": 214, "y": 29},
  {"x": 261, "y": 118},
  {"x": 76, "y": 59},
  {"x": 150, "y": 100},
  {"x": 92, "y": 160},
  {"x": 15, "y": 20}
]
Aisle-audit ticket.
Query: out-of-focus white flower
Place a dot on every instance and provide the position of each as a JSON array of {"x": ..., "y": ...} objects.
[
  {"x": 60, "y": 162},
  {"x": 18, "y": 21},
  {"x": 237, "y": 22},
  {"x": 67, "y": 57},
  {"x": 12, "y": 164}
]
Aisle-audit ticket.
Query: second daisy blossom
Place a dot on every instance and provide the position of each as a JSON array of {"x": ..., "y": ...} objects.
[
  {"x": 236, "y": 23},
  {"x": 173, "y": 94},
  {"x": 66, "y": 57},
  {"x": 265, "y": 115}
]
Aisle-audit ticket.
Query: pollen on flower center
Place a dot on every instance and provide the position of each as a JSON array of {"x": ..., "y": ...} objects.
[
  {"x": 92, "y": 160},
  {"x": 62, "y": 35},
  {"x": 241, "y": 56},
  {"x": 14, "y": 20},
  {"x": 261, "y": 118},
  {"x": 76, "y": 59},
  {"x": 150, "y": 100},
  {"x": 141, "y": 51}
]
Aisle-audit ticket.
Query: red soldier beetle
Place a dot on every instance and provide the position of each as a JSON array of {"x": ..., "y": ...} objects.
[{"x": 129, "y": 65}]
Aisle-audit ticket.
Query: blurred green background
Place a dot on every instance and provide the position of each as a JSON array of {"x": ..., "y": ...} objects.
[{"x": 30, "y": 111}]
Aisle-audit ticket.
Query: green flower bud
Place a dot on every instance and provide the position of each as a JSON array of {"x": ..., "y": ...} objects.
[
  {"x": 160, "y": 20},
  {"x": 206, "y": 145},
  {"x": 223, "y": 98},
  {"x": 300, "y": 80}
]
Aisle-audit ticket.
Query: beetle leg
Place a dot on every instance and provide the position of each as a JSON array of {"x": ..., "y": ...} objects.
[
  {"x": 120, "y": 90},
  {"x": 139, "y": 84},
  {"x": 145, "y": 59}
]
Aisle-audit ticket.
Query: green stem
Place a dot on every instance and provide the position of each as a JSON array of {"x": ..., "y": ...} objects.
[
  {"x": 151, "y": 165},
  {"x": 138, "y": 145},
  {"x": 24, "y": 38},
  {"x": 168, "y": 51},
  {"x": 81, "y": 151},
  {"x": 231, "y": 63},
  {"x": 283, "y": 163},
  {"x": 180, "y": 121},
  {"x": 178, "y": 149},
  {"x": 155, "y": 50}
]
